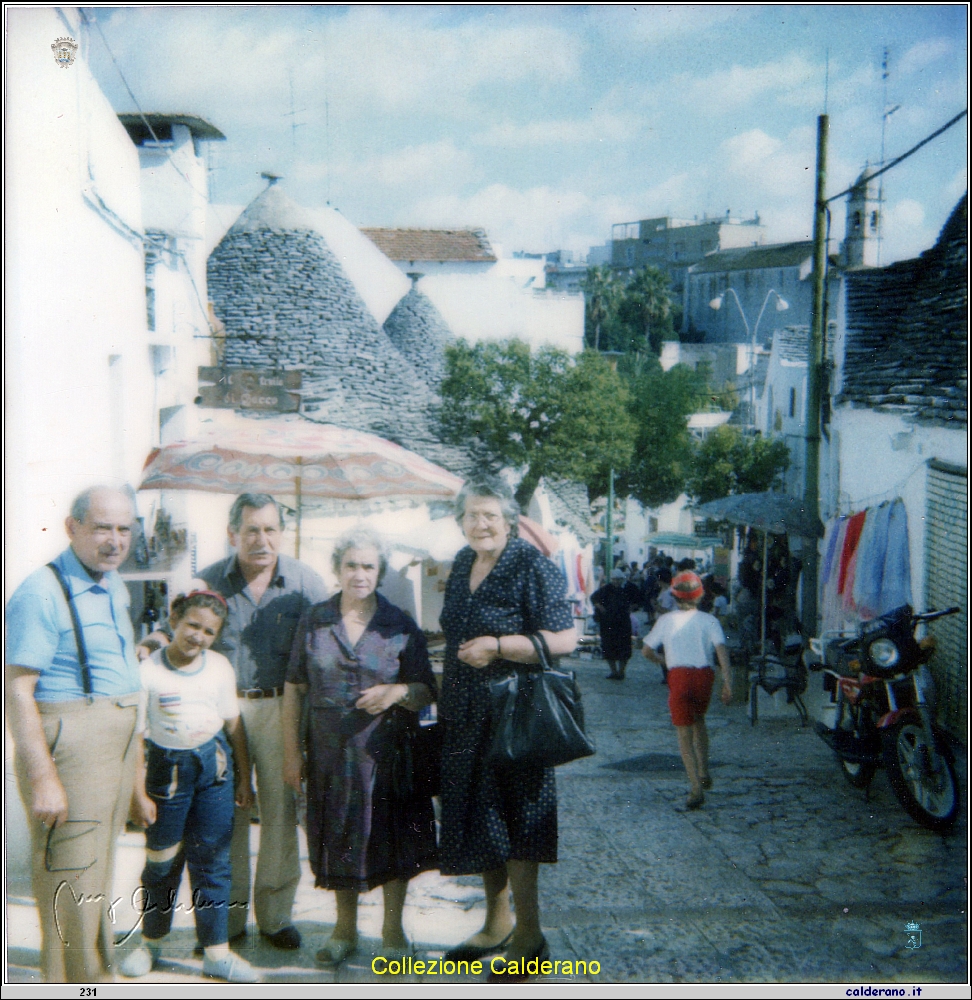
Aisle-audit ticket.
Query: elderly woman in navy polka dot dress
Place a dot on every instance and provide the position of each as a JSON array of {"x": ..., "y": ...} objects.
[{"x": 496, "y": 822}]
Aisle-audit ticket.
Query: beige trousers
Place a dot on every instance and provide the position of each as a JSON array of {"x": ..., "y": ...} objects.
[
  {"x": 72, "y": 867},
  {"x": 278, "y": 864}
]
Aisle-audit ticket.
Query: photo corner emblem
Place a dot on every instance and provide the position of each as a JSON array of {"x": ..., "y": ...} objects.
[
  {"x": 913, "y": 931},
  {"x": 64, "y": 49}
]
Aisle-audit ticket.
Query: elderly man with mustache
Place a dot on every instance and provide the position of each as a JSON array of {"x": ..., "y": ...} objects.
[{"x": 266, "y": 594}]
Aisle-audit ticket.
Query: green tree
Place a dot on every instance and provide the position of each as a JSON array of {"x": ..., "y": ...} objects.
[
  {"x": 660, "y": 404},
  {"x": 543, "y": 412},
  {"x": 602, "y": 291},
  {"x": 645, "y": 309},
  {"x": 728, "y": 462}
]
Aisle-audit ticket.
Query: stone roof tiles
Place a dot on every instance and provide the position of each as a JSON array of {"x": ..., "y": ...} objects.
[
  {"x": 433, "y": 244},
  {"x": 286, "y": 302},
  {"x": 906, "y": 345},
  {"x": 418, "y": 330},
  {"x": 570, "y": 506}
]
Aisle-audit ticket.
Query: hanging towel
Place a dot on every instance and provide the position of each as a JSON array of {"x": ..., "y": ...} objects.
[
  {"x": 896, "y": 575},
  {"x": 831, "y": 612},
  {"x": 831, "y": 534},
  {"x": 869, "y": 570},
  {"x": 851, "y": 537}
]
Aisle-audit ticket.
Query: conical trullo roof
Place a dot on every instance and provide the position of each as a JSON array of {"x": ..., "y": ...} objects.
[
  {"x": 286, "y": 302},
  {"x": 418, "y": 330}
]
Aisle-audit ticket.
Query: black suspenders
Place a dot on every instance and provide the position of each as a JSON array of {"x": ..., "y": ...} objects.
[{"x": 78, "y": 634}]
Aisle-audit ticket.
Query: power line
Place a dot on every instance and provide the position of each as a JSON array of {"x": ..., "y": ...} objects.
[{"x": 904, "y": 156}]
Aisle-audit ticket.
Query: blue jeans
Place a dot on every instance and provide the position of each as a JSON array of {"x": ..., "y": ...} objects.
[{"x": 193, "y": 791}]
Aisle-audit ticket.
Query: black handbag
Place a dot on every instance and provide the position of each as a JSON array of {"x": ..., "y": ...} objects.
[
  {"x": 537, "y": 715},
  {"x": 416, "y": 765}
]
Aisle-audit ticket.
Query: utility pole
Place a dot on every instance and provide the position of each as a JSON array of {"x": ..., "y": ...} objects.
[
  {"x": 609, "y": 530},
  {"x": 818, "y": 324}
]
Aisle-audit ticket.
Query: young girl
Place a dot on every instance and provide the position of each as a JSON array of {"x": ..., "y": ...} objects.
[
  {"x": 192, "y": 722},
  {"x": 692, "y": 640}
]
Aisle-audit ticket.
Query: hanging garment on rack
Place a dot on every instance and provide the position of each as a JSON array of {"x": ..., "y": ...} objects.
[
  {"x": 896, "y": 575},
  {"x": 869, "y": 568},
  {"x": 830, "y": 604},
  {"x": 845, "y": 585}
]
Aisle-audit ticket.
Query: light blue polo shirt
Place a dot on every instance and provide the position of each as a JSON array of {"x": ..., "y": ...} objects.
[{"x": 40, "y": 635}]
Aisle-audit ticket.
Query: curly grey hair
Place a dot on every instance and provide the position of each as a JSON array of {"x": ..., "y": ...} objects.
[
  {"x": 360, "y": 538},
  {"x": 495, "y": 488}
]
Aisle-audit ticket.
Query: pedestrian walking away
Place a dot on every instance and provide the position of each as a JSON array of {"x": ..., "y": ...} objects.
[{"x": 692, "y": 640}]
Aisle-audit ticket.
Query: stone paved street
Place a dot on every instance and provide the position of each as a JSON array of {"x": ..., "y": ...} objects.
[{"x": 786, "y": 874}]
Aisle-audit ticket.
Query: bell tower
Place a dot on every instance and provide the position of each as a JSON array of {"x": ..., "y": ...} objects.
[{"x": 863, "y": 222}]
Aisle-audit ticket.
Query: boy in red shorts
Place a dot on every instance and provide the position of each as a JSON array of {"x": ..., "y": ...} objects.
[{"x": 691, "y": 640}]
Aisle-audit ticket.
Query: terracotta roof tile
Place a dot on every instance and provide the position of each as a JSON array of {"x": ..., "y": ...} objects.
[{"x": 432, "y": 244}]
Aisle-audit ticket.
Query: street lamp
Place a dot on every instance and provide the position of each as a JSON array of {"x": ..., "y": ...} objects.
[{"x": 781, "y": 305}]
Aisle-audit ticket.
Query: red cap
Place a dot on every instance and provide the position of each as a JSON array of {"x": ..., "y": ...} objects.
[{"x": 686, "y": 587}]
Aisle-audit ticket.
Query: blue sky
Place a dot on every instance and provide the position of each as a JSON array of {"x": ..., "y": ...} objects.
[{"x": 545, "y": 125}]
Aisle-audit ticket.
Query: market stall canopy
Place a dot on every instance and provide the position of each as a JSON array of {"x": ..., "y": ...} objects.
[
  {"x": 676, "y": 541},
  {"x": 775, "y": 513},
  {"x": 297, "y": 457}
]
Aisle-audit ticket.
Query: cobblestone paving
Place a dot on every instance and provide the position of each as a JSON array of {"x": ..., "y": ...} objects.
[{"x": 787, "y": 874}]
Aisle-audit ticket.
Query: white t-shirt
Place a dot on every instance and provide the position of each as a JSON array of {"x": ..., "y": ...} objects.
[
  {"x": 689, "y": 637},
  {"x": 187, "y": 708}
]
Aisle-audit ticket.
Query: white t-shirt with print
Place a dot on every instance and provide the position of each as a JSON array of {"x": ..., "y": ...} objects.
[
  {"x": 689, "y": 638},
  {"x": 188, "y": 707}
]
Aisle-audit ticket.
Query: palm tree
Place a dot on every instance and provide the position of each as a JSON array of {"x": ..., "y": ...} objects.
[
  {"x": 648, "y": 306},
  {"x": 601, "y": 294}
]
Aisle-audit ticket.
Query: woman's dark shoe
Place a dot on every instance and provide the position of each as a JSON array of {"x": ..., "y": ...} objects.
[
  {"x": 542, "y": 954},
  {"x": 694, "y": 801},
  {"x": 470, "y": 952}
]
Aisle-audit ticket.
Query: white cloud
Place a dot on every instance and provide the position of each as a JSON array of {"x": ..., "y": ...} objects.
[
  {"x": 772, "y": 166},
  {"x": 906, "y": 231},
  {"x": 425, "y": 165},
  {"x": 923, "y": 54},
  {"x": 563, "y": 132},
  {"x": 719, "y": 92}
]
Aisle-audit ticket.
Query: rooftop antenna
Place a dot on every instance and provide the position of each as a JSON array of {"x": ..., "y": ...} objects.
[
  {"x": 886, "y": 113},
  {"x": 292, "y": 115}
]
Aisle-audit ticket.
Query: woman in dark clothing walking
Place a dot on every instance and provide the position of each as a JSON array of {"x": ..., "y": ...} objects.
[{"x": 612, "y": 612}]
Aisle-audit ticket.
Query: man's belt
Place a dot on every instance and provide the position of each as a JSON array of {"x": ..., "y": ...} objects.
[{"x": 254, "y": 693}]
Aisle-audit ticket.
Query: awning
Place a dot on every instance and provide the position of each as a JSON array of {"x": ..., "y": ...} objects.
[{"x": 674, "y": 540}]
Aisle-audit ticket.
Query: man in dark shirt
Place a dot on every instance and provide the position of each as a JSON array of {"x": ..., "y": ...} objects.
[{"x": 266, "y": 594}]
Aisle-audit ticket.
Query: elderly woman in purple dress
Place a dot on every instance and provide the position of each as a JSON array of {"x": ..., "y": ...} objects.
[{"x": 363, "y": 665}]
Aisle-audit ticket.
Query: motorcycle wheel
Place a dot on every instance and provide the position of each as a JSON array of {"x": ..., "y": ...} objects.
[
  {"x": 922, "y": 776},
  {"x": 856, "y": 774}
]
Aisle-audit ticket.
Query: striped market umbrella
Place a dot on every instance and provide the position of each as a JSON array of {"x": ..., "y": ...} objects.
[{"x": 298, "y": 458}]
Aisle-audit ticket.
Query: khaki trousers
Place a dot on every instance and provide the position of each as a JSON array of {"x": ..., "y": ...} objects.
[
  {"x": 278, "y": 864},
  {"x": 72, "y": 866}
]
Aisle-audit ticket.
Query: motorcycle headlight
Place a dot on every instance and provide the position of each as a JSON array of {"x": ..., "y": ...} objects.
[{"x": 883, "y": 652}]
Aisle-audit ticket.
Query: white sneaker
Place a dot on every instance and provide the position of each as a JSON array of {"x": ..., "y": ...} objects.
[
  {"x": 232, "y": 968},
  {"x": 141, "y": 961}
]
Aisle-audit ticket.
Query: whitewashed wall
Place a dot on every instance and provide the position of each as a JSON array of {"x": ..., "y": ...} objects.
[{"x": 76, "y": 350}]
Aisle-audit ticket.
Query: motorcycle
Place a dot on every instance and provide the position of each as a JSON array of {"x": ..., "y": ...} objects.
[{"x": 882, "y": 702}]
